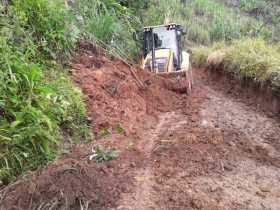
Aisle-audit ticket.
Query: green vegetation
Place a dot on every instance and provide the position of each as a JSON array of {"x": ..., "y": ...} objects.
[
  {"x": 119, "y": 128},
  {"x": 38, "y": 102},
  {"x": 101, "y": 154},
  {"x": 252, "y": 59},
  {"x": 110, "y": 24},
  {"x": 200, "y": 55},
  {"x": 40, "y": 107},
  {"x": 208, "y": 21},
  {"x": 104, "y": 132}
]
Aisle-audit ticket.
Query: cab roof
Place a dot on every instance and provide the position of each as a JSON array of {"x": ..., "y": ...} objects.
[{"x": 171, "y": 25}]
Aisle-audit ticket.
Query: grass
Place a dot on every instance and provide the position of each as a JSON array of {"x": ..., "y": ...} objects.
[
  {"x": 200, "y": 55},
  {"x": 39, "y": 104},
  {"x": 40, "y": 107},
  {"x": 264, "y": 11},
  {"x": 208, "y": 21},
  {"x": 119, "y": 128},
  {"x": 253, "y": 59}
]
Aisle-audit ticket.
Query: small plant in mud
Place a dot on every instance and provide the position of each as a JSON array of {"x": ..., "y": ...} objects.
[
  {"x": 119, "y": 128},
  {"x": 84, "y": 204},
  {"x": 100, "y": 154},
  {"x": 104, "y": 132},
  {"x": 130, "y": 146}
]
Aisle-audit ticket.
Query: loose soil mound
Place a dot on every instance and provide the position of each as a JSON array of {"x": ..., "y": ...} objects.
[{"x": 113, "y": 94}]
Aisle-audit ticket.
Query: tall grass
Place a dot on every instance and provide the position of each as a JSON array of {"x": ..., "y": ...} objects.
[
  {"x": 110, "y": 24},
  {"x": 208, "y": 21},
  {"x": 267, "y": 12},
  {"x": 253, "y": 59}
]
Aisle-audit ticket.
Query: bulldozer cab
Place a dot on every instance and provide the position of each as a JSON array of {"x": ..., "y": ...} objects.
[{"x": 163, "y": 37}]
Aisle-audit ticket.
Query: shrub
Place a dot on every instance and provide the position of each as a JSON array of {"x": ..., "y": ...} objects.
[
  {"x": 47, "y": 24},
  {"x": 38, "y": 102},
  {"x": 100, "y": 154}
]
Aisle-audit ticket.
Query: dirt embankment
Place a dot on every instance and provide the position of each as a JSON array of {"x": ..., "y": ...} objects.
[
  {"x": 261, "y": 94},
  {"x": 214, "y": 149},
  {"x": 112, "y": 93}
]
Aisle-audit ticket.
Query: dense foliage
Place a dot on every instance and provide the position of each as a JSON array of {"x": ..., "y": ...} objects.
[
  {"x": 40, "y": 108},
  {"x": 38, "y": 102},
  {"x": 208, "y": 21},
  {"x": 111, "y": 24}
]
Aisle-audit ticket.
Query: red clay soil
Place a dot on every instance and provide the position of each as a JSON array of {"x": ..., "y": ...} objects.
[
  {"x": 112, "y": 93},
  {"x": 213, "y": 149}
]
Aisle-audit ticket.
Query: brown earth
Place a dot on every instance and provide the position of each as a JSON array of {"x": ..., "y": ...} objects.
[{"x": 213, "y": 149}]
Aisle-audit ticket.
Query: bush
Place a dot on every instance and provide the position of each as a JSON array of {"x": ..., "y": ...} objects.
[
  {"x": 47, "y": 23},
  {"x": 110, "y": 24},
  {"x": 208, "y": 21},
  {"x": 38, "y": 102}
]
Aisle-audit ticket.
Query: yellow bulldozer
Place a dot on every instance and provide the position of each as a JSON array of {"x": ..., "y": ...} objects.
[{"x": 163, "y": 53}]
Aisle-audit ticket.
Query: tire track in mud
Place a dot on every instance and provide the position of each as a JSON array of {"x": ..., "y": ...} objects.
[{"x": 143, "y": 196}]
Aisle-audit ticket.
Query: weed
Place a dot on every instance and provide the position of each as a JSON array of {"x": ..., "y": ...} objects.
[
  {"x": 84, "y": 204},
  {"x": 119, "y": 129},
  {"x": 100, "y": 154},
  {"x": 104, "y": 132}
]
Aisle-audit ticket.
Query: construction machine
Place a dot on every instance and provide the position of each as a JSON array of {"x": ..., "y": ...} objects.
[{"x": 163, "y": 53}]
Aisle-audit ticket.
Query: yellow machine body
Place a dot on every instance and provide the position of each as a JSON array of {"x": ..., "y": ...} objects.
[
  {"x": 166, "y": 65},
  {"x": 164, "y": 55}
]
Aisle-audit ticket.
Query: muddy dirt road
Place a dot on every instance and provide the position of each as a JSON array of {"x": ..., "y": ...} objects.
[
  {"x": 214, "y": 149},
  {"x": 217, "y": 153}
]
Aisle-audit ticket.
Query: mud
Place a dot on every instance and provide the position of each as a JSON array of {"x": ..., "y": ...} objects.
[{"x": 212, "y": 149}]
